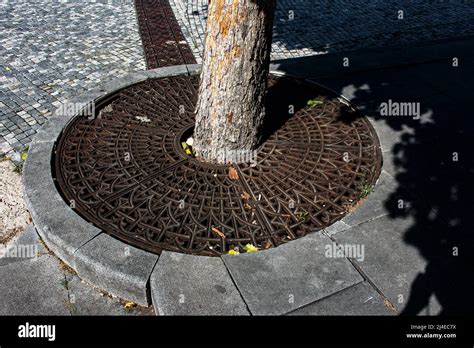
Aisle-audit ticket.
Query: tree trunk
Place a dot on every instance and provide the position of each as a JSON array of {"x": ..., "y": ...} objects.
[{"x": 230, "y": 107}]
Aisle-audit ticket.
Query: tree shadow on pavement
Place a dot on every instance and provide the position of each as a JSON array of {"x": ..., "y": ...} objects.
[
  {"x": 431, "y": 162},
  {"x": 342, "y": 25}
]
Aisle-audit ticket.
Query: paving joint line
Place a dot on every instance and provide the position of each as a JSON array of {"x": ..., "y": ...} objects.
[{"x": 359, "y": 269}]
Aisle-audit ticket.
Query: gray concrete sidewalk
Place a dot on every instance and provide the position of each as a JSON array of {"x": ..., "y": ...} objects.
[
  {"x": 419, "y": 245},
  {"x": 35, "y": 282}
]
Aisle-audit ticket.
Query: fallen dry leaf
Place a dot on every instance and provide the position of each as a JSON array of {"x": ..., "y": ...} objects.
[
  {"x": 215, "y": 230},
  {"x": 233, "y": 175},
  {"x": 389, "y": 305},
  {"x": 245, "y": 195},
  {"x": 129, "y": 305},
  {"x": 267, "y": 245}
]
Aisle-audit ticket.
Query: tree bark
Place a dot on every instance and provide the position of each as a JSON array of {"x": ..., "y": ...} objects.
[{"x": 230, "y": 106}]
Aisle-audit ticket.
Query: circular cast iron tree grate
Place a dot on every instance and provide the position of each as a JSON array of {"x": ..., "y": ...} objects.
[{"x": 126, "y": 171}]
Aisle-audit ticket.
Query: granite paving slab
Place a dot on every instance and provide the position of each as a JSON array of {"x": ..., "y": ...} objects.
[
  {"x": 360, "y": 299},
  {"x": 56, "y": 222},
  {"x": 26, "y": 246},
  {"x": 121, "y": 269},
  {"x": 194, "y": 285},
  {"x": 87, "y": 300},
  {"x": 33, "y": 287},
  {"x": 389, "y": 261},
  {"x": 279, "y": 280}
]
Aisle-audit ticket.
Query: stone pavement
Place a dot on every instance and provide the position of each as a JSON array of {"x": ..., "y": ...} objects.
[
  {"x": 35, "y": 282},
  {"x": 417, "y": 248},
  {"x": 306, "y": 27},
  {"x": 162, "y": 39},
  {"x": 407, "y": 248},
  {"x": 52, "y": 50},
  {"x": 418, "y": 244}
]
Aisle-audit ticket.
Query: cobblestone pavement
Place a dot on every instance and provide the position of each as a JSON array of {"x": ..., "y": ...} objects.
[
  {"x": 51, "y": 50},
  {"x": 307, "y": 27}
]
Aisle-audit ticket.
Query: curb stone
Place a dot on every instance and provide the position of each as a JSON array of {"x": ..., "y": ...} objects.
[
  {"x": 279, "y": 280},
  {"x": 194, "y": 285},
  {"x": 61, "y": 228},
  {"x": 121, "y": 269}
]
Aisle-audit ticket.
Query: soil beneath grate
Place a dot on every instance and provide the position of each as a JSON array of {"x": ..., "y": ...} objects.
[{"x": 126, "y": 171}]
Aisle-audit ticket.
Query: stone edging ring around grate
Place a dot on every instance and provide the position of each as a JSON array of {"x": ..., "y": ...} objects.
[{"x": 269, "y": 282}]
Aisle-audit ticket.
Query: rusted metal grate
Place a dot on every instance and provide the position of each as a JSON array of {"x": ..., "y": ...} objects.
[
  {"x": 126, "y": 172},
  {"x": 163, "y": 42}
]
